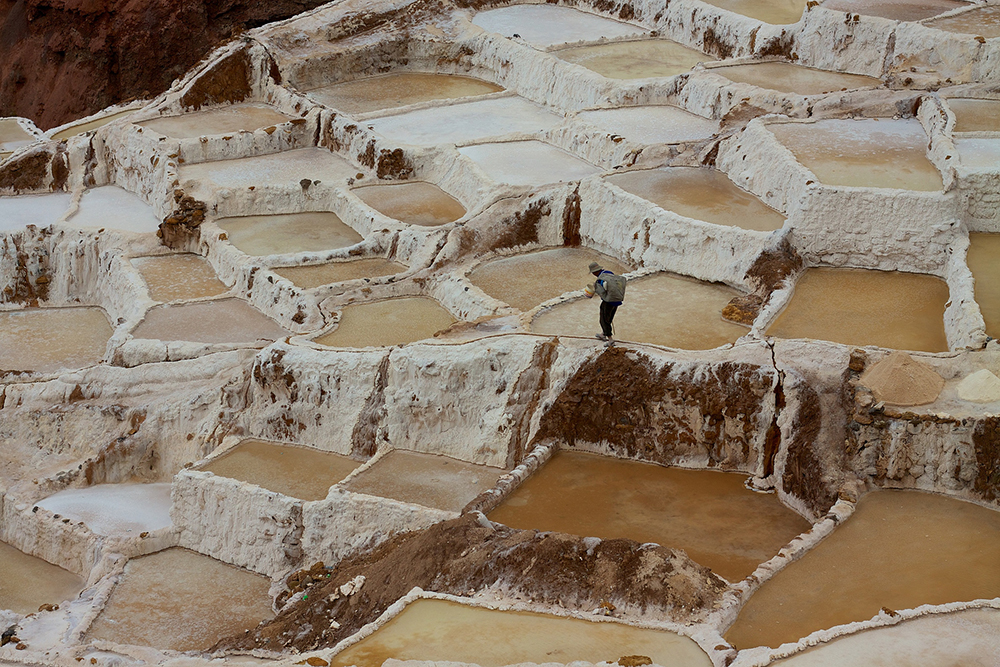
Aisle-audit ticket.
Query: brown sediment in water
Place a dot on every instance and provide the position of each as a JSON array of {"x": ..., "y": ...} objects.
[
  {"x": 314, "y": 231},
  {"x": 462, "y": 554},
  {"x": 97, "y": 123},
  {"x": 982, "y": 21},
  {"x": 27, "y": 582},
  {"x": 415, "y": 203},
  {"x": 775, "y": 12},
  {"x": 221, "y": 120},
  {"x": 182, "y": 601},
  {"x": 296, "y": 471},
  {"x": 399, "y": 89},
  {"x": 428, "y": 629},
  {"x": 316, "y": 275},
  {"x": 390, "y": 322},
  {"x": 178, "y": 277},
  {"x": 984, "y": 262},
  {"x": 221, "y": 321},
  {"x": 896, "y": 10},
  {"x": 48, "y": 339},
  {"x": 900, "y": 550},
  {"x": 791, "y": 78},
  {"x": 711, "y": 515},
  {"x": 425, "y": 479},
  {"x": 638, "y": 59},
  {"x": 899, "y": 379},
  {"x": 976, "y": 115},
  {"x": 860, "y": 307}
]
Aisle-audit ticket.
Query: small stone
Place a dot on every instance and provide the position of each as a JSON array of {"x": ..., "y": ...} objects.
[
  {"x": 634, "y": 660},
  {"x": 21, "y": 646}
]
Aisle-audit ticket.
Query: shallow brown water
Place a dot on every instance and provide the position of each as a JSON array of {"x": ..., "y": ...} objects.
[
  {"x": 790, "y": 78},
  {"x": 308, "y": 277},
  {"x": 984, "y": 262},
  {"x": 984, "y": 21},
  {"x": 640, "y": 59},
  {"x": 312, "y": 231},
  {"x": 416, "y": 203},
  {"x": 47, "y": 339},
  {"x": 976, "y": 115},
  {"x": 178, "y": 277},
  {"x": 400, "y": 89},
  {"x": 80, "y": 128},
  {"x": 221, "y": 120},
  {"x": 27, "y": 582},
  {"x": 390, "y": 322},
  {"x": 220, "y": 321}
]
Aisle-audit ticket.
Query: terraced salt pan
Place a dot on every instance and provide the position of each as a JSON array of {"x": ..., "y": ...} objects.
[
  {"x": 27, "y": 582},
  {"x": 984, "y": 21},
  {"x": 979, "y": 154},
  {"x": 221, "y": 120},
  {"x": 896, "y": 10},
  {"x": 545, "y": 25},
  {"x": 529, "y": 279},
  {"x": 308, "y": 277},
  {"x": 640, "y": 59},
  {"x": 862, "y": 153},
  {"x": 899, "y": 550},
  {"x": 299, "y": 472},
  {"x": 903, "y": 311},
  {"x": 661, "y": 309},
  {"x": 180, "y": 600},
  {"x": 652, "y": 124},
  {"x": 49, "y": 339},
  {"x": 38, "y": 210},
  {"x": 710, "y": 515},
  {"x": 416, "y": 203},
  {"x": 390, "y": 322},
  {"x": 312, "y": 231},
  {"x": 528, "y": 163},
  {"x": 13, "y": 136},
  {"x": 701, "y": 194},
  {"x": 975, "y": 115},
  {"x": 399, "y": 89},
  {"x": 114, "y": 509},
  {"x": 425, "y": 479},
  {"x": 791, "y": 78},
  {"x": 438, "y": 630},
  {"x": 984, "y": 262},
  {"x": 112, "y": 207},
  {"x": 220, "y": 321},
  {"x": 775, "y": 12},
  {"x": 88, "y": 126},
  {"x": 285, "y": 169},
  {"x": 464, "y": 122},
  {"x": 178, "y": 277}
]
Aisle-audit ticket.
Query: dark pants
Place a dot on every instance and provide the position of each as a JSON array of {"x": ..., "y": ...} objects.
[{"x": 607, "y": 315}]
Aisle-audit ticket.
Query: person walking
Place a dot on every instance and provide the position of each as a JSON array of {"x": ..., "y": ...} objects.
[{"x": 611, "y": 289}]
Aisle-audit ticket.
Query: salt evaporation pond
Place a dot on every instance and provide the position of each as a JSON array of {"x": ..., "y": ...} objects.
[
  {"x": 700, "y": 194},
  {"x": 662, "y": 309},
  {"x": 398, "y": 89},
  {"x": 172, "y": 600},
  {"x": 640, "y": 59},
  {"x": 791, "y": 78},
  {"x": 979, "y": 154},
  {"x": 984, "y": 262},
  {"x": 975, "y": 115},
  {"x": 316, "y": 275},
  {"x": 221, "y": 120},
  {"x": 286, "y": 233},
  {"x": 27, "y": 582},
  {"x": 114, "y": 509},
  {"x": 13, "y": 136},
  {"x": 50, "y": 339},
  {"x": 178, "y": 277},
  {"x": 903, "y": 311},
  {"x": 297, "y": 471},
  {"x": 425, "y": 479},
  {"x": 957, "y": 639},
  {"x": 443, "y": 631},
  {"x": 900, "y": 550},
  {"x": 88, "y": 126},
  {"x": 865, "y": 153},
  {"x": 709, "y": 514},
  {"x": 545, "y": 25},
  {"x": 775, "y": 12},
  {"x": 528, "y": 163},
  {"x": 529, "y": 279},
  {"x": 395, "y": 321},
  {"x": 221, "y": 321},
  {"x": 660, "y": 124},
  {"x": 983, "y": 21},
  {"x": 895, "y": 10},
  {"x": 286, "y": 169},
  {"x": 416, "y": 203},
  {"x": 464, "y": 122},
  {"x": 38, "y": 210},
  {"x": 112, "y": 207}
]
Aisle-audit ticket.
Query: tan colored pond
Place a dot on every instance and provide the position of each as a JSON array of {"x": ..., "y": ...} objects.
[
  {"x": 775, "y": 12},
  {"x": 285, "y": 233},
  {"x": 791, "y": 78},
  {"x": 398, "y": 89},
  {"x": 439, "y": 630},
  {"x": 299, "y": 472},
  {"x": 662, "y": 309},
  {"x": 27, "y": 582},
  {"x": 220, "y": 120},
  {"x": 315, "y": 275},
  {"x": 976, "y": 115},
  {"x": 903, "y": 311},
  {"x": 13, "y": 136},
  {"x": 701, "y": 194},
  {"x": 172, "y": 600},
  {"x": 395, "y": 321},
  {"x": 547, "y": 25},
  {"x": 88, "y": 126},
  {"x": 48, "y": 339},
  {"x": 221, "y": 321},
  {"x": 415, "y": 203},
  {"x": 984, "y": 262},
  {"x": 900, "y": 550},
  {"x": 526, "y": 280},
  {"x": 711, "y": 515},
  {"x": 641, "y": 59},
  {"x": 983, "y": 21},
  {"x": 652, "y": 124},
  {"x": 531, "y": 163},
  {"x": 178, "y": 277},
  {"x": 896, "y": 10}
]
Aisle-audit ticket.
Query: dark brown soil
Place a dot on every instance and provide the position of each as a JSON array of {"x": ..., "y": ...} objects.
[{"x": 986, "y": 439}]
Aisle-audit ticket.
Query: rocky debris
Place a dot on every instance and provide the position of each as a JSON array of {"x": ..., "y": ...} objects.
[
  {"x": 302, "y": 580},
  {"x": 181, "y": 228},
  {"x": 768, "y": 272},
  {"x": 9, "y": 635},
  {"x": 901, "y": 380},
  {"x": 634, "y": 660}
]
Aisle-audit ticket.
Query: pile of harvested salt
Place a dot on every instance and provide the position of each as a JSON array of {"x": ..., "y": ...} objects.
[
  {"x": 901, "y": 380},
  {"x": 980, "y": 387}
]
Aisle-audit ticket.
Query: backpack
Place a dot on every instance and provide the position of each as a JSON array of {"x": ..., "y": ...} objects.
[{"x": 615, "y": 287}]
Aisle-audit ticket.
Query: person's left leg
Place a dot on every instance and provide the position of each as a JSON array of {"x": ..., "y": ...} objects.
[{"x": 607, "y": 315}]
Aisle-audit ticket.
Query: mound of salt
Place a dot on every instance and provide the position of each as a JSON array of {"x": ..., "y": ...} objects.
[
  {"x": 980, "y": 387},
  {"x": 901, "y": 380}
]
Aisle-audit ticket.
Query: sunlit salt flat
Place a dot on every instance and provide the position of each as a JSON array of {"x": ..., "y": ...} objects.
[
  {"x": 398, "y": 89},
  {"x": 114, "y": 509},
  {"x": 286, "y": 169},
  {"x": 38, "y": 210},
  {"x": 528, "y": 163},
  {"x": 546, "y": 25},
  {"x": 638, "y": 59},
  {"x": 220, "y": 120},
  {"x": 652, "y": 124},
  {"x": 979, "y": 154},
  {"x": 112, "y": 207}
]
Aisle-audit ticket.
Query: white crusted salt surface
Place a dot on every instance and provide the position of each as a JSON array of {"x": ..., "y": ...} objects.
[
  {"x": 528, "y": 163},
  {"x": 287, "y": 168},
  {"x": 114, "y": 509},
  {"x": 544, "y": 25},
  {"x": 111, "y": 207},
  {"x": 979, "y": 154},
  {"x": 652, "y": 124},
  {"x": 980, "y": 387},
  {"x": 39, "y": 210},
  {"x": 465, "y": 121}
]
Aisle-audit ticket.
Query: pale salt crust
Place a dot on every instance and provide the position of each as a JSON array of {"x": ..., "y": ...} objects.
[{"x": 114, "y": 509}]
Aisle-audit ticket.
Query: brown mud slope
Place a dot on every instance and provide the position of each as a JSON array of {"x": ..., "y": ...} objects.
[
  {"x": 466, "y": 554},
  {"x": 64, "y": 59}
]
